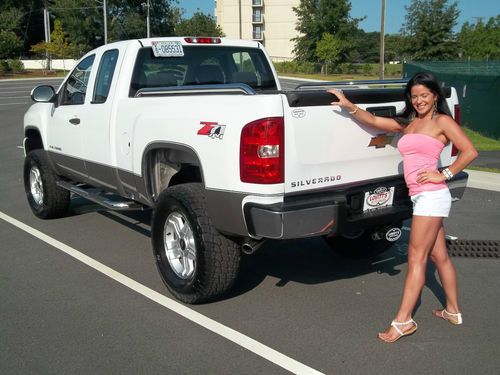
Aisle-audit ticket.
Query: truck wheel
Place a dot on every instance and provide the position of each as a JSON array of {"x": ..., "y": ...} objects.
[
  {"x": 366, "y": 243},
  {"x": 46, "y": 199},
  {"x": 195, "y": 261}
]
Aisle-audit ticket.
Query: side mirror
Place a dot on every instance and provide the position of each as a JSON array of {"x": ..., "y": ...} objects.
[{"x": 43, "y": 94}]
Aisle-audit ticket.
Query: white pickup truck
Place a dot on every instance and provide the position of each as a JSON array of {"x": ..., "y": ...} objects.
[{"x": 199, "y": 130}]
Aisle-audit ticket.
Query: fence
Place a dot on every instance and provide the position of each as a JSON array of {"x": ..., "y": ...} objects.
[
  {"x": 478, "y": 87},
  {"x": 58, "y": 64}
]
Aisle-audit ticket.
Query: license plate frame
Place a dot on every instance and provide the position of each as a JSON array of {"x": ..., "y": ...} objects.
[
  {"x": 380, "y": 197},
  {"x": 167, "y": 48}
]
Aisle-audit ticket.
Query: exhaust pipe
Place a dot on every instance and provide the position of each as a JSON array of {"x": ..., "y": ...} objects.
[{"x": 250, "y": 245}]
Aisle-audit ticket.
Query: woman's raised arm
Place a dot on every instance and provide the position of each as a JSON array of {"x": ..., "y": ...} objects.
[{"x": 364, "y": 117}]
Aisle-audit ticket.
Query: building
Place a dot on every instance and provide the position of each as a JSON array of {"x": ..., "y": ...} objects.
[{"x": 271, "y": 22}]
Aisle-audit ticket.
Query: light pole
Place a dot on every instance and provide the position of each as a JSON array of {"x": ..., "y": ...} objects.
[
  {"x": 147, "y": 19},
  {"x": 382, "y": 42},
  {"x": 104, "y": 11},
  {"x": 46, "y": 26},
  {"x": 105, "y": 19}
]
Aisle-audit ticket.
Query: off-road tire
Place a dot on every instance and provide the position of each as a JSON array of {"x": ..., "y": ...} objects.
[
  {"x": 46, "y": 199},
  {"x": 214, "y": 260}
]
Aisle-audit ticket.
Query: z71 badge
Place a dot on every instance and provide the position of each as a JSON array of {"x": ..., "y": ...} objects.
[{"x": 212, "y": 129}]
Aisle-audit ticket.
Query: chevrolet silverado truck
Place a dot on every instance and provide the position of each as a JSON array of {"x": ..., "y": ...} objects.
[{"x": 199, "y": 130}]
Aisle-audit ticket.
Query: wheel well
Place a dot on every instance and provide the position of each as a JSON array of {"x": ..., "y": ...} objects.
[
  {"x": 169, "y": 167},
  {"x": 33, "y": 140}
]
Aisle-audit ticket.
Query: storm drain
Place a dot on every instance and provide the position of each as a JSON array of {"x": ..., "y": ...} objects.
[{"x": 473, "y": 248}]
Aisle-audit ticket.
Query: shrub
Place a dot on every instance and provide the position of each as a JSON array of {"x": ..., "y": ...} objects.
[
  {"x": 16, "y": 65},
  {"x": 367, "y": 69},
  {"x": 4, "y": 67}
]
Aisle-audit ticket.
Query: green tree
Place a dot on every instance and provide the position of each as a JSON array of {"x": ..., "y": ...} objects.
[
  {"x": 329, "y": 50},
  {"x": 429, "y": 28},
  {"x": 199, "y": 24},
  {"x": 58, "y": 46},
  {"x": 24, "y": 19},
  {"x": 365, "y": 47},
  {"x": 480, "y": 41},
  {"x": 128, "y": 18},
  {"x": 10, "y": 43},
  {"x": 316, "y": 17},
  {"x": 84, "y": 21},
  {"x": 395, "y": 47}
]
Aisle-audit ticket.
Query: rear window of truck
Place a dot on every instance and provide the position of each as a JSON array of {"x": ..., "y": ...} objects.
[{"x": 203, "y": 65}]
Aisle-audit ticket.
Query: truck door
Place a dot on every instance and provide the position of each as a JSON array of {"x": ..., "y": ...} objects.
[
  {"x": 96, "y": 144},
  {"x": 65, "y": 131}
]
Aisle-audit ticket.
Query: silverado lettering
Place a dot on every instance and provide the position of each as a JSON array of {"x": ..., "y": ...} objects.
[{"x": 314, "y": 181}]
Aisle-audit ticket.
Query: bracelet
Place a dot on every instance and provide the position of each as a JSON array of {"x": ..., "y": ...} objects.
[
  {"x": 355, "y": 110},
  {"x": 448, "y": 174}
]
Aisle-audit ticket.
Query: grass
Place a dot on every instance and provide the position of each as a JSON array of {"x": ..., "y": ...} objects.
[
  {"x": 481, "y": 142},
  {"x": 37, "y": 73}
]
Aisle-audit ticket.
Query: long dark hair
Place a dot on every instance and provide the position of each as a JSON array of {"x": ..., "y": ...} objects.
[{"x": 430, "y": 81}]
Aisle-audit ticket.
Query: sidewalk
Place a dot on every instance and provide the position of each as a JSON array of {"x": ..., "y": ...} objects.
[{"x": 483, "y": 180}]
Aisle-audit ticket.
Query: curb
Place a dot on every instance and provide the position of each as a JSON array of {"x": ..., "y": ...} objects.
[{"x": 483, "y": 180}]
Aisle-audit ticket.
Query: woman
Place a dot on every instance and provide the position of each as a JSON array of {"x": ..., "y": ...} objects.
[{"x": 427, "y": 127}]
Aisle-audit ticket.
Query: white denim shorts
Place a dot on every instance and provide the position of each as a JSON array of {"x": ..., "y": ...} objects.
[{"x": 432, "y": 203}]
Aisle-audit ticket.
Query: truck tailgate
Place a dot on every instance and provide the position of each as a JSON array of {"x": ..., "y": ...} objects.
[{"x": 324, "y": 147}]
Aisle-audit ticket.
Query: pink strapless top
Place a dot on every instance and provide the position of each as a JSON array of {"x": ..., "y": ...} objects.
[{"x": 420, "y": 152}]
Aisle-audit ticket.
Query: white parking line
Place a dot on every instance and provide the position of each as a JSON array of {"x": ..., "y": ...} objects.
[
  {"x": 15, "y": 103},
  {"x": 230, "y": 334}
]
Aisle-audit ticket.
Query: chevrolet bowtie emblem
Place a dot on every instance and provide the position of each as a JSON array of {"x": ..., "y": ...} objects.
[{"x": 381, "y": 140}]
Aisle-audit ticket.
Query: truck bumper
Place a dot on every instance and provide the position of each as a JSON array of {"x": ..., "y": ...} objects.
[{"x": 334, "y": 213}]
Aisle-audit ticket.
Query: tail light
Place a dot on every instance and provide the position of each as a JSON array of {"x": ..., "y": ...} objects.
[
  {"x": 203, "y": 40},
  {"x": 262, "y": 151},
  {"x": 454, "y": 150}
]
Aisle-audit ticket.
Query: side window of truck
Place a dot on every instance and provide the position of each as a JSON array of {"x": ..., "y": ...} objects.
[
  {"x": 75, "y": 88},
  {"x": 251, "y": 68},
  {"x": 245, "y": 69},
  {"x": 105, "y": 76}
]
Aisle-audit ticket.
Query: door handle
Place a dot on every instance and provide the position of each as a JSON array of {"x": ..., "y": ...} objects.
[{"x": 75, "y": 121}]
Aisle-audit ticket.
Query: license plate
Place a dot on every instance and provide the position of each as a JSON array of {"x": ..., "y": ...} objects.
[
  {"x": 378, "y": 198},
  {"x": 167, "y": 48}
]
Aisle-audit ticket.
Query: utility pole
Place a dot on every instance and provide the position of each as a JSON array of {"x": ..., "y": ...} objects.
[
  {"x": 104, "y": 11},
  {"x": 46, "y": 26},
  {"x": 382, "y": 42},
  {"x": 147, "y": 19},
  {"x": 239, "y": 15}
]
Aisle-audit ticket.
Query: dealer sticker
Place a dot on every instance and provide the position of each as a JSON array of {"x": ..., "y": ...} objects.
[
  {"x": 380, "y": 197},
  {"x": 167, "y": 48}
]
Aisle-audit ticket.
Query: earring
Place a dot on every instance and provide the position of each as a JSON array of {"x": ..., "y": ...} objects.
[
  {"x": 413, "y": 114},
  {"x": 435, "y": 109}
]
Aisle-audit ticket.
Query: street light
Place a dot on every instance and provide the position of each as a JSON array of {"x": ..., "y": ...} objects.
[
  {"x": 147, "y": 20},
  {"x": 382, "y": 42},
  {"x": 104, "y": 12},
  {"x": 147, "y": 5}
]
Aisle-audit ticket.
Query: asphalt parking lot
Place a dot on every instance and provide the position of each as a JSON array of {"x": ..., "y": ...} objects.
[{"x": 81, "y": 295}]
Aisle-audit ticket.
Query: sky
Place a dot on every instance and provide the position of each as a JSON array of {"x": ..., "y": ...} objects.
[{"x": 394, "y": 12}]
